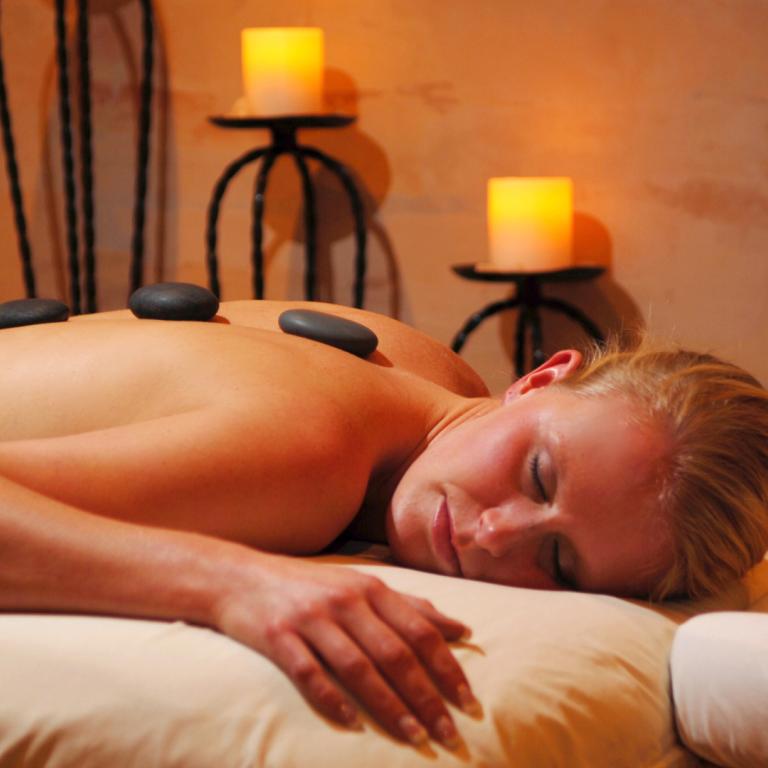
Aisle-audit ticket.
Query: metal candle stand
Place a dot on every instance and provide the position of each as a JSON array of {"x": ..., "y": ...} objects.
[
  {"x": 528, "y": 298},
  {"x": 283, "y": 142},
  {"x": 84, "y": 219}
]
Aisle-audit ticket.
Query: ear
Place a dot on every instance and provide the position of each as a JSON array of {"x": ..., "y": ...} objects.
[{"x": 560, "y": 366}]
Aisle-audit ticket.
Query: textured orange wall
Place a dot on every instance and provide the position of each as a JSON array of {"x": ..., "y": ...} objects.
[{"x": 657, "y": 109}]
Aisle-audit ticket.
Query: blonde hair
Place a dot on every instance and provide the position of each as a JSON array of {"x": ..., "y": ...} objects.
[{"x": 714, "y": 494}]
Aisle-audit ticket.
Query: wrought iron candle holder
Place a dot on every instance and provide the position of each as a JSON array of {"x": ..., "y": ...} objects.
[
  {"x": 283, "y": 132},
  {"x": 529, "y": 300}
]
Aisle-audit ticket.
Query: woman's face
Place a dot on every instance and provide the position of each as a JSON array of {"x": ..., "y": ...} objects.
[{"x": 549, "y": 490}]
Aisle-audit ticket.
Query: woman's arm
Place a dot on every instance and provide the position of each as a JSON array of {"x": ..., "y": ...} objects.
[{"x": 386, "y": 648}]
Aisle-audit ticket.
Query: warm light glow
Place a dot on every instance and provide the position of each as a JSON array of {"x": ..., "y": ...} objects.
[
  {"x": 529, "y": 224},
  {"x": 283, "y": 70}
]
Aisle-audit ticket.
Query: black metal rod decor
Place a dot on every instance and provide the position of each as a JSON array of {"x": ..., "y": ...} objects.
[
  {"x": 143, "y": 149},
  {"x": 77, "y": 228},
  {"x": 67, "y": 157},
  {"x": 86, "y": 156},
  {"x": 211, "y": 229},
  {"x": 356, "y": 203},
  {"x": 520, "y": 328},
  {"x": 310, "y": 227},
  {"x": 528, "y": 299},
  {"x": 283, "y": 141},
  {"x": 529, "y": 319},
  {"x": 14, "y": 181},
  {"x": 476, "y": 318},
  {"x": 575, "y": 314},
  {"x": 537, "y": 340},
  {"x": 257, "y": 231}
]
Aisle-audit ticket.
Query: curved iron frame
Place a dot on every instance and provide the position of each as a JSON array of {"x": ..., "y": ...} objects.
[
  {"x": 88, "y": 233},
  {"x": 529, "y": 300},
  {"x": 284, "y": 143}
]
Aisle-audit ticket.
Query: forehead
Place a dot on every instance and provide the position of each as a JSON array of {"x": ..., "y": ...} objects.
[{"x": 607, "y": 460}]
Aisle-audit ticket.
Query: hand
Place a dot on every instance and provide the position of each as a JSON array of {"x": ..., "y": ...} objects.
[{"x": 388, "y": 649}]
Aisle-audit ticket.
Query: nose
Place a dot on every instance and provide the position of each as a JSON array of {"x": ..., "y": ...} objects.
[{"x": 500, "y": 531}]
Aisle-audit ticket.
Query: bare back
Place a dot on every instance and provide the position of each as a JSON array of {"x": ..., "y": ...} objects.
[
  {"x": 400, "y": 346},
  {"x": 225, "y": 429}
]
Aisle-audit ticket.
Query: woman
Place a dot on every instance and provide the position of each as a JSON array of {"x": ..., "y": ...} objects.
[{"x": 165, "y": 470}]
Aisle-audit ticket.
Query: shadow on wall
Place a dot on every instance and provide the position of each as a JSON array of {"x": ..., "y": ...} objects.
[
  {"x": 115, "y": 44},
  {"x": 370, "y": 168},
  {"x": 603, "y": 300}
]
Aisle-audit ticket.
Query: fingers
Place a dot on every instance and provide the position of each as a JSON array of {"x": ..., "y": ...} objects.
[
  {"x": 301, "y": 666},
  {"x": 402, "y": 669},
  {"x": 387, "y": 650},
  {"x": 357, "y": 672},
  {"x": 424, "y": 632},
  {"x": 451, "y": 629}
]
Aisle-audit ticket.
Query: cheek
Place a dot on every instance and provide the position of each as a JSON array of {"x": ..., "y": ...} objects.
[
  {"x": 469, "y": 452},
  {"x": 407, "y": 526},
  {"x": 486, "y": 463}
]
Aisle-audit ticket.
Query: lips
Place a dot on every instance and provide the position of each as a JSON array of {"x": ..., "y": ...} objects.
[{"x": 442, "y": 530}]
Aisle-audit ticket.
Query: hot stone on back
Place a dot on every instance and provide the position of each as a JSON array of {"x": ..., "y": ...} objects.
[
  {"x": 328, "y": 329},
  {"x": 32, "y": 311},
  {"x": 173, "y": 301}
]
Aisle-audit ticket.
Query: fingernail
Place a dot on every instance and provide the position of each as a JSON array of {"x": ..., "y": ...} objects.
[
  {"x": 465, "y": 634},
  {"x": 447, "y": 733},
  {"x": 351, "y": 717},
  {"x": 412, "y": 731},
  {"x": 468, "y": 702}
]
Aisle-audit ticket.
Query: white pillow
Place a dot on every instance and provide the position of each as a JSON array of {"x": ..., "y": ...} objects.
[
  {"x": 719, "y": 667},
  {"x": 572, "y": 680}
]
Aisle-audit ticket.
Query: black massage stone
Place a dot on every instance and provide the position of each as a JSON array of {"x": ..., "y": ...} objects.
[
  {"x": 329, "y": 329},
  {"x": 31, "y": 312},
  {"x": 173, "y": 301}
]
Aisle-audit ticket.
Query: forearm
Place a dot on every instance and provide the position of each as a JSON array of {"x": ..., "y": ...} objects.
[{"x": 54, "y": 557}]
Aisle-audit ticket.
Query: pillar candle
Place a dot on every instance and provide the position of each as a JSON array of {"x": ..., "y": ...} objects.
[
  {"x": 529, "y": 224},
  {"x": 283, "y": 70}
]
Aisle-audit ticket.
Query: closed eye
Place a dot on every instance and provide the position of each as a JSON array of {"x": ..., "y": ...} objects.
[{"x": 536, "y": 477}]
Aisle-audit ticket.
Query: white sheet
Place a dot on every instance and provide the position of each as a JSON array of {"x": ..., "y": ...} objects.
[{"x": 719, "y": 669}]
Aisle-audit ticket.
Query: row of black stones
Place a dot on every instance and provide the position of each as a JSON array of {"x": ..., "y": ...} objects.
[
  {"x": 184, "y": 301},
  {"x": 164, "y": 301}
]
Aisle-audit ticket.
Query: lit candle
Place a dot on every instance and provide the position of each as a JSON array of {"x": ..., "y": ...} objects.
[
  {"x": 529, "y": 224},
  {"x": 283, "y": 70}
]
